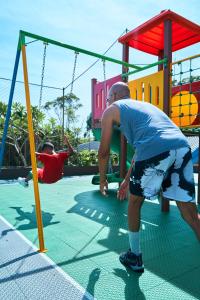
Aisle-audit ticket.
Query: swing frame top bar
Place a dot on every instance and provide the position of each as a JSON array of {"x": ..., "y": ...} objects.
[{"x": 24, "y": 34}]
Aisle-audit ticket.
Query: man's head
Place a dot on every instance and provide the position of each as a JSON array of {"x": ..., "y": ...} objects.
[
  {"x": 118, "y": 91},
  {"x": 48, "y": 148}
]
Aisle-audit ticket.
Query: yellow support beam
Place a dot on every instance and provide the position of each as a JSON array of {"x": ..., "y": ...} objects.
[
  {"x": 185, "y": 59},
  {"x": 32, "y": 150}
]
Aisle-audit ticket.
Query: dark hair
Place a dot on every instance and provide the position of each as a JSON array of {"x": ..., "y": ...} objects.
[{"x": 47, "y": 145}]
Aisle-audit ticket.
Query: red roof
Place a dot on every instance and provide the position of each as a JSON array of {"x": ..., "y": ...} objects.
[{"x": 149, "y": 37}]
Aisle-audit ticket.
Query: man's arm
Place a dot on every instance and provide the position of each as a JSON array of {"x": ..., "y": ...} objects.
[
  {"x": 42, "y": 157},
  {"x": 40, "y": 164},
  {"x": 127, "y": 177},
  {"x": 104, "y": 148},
  {"x": 67, "y": 143}
]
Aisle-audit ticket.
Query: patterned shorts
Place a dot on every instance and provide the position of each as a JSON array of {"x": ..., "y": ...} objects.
[{"x": 171, "y": 172}]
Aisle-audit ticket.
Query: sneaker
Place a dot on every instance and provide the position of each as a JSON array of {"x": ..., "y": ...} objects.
[
  {"x": 129, "y": 259},
  {"x": 22, "y": 181}
]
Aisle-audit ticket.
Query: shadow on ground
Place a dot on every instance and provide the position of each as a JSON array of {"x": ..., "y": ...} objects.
[
  {"x": 170, "y": 249},
  {"x": 30, "y": 217}
]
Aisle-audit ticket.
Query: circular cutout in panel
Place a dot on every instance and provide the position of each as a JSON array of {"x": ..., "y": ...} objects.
[{"x": 184, "y": 108}]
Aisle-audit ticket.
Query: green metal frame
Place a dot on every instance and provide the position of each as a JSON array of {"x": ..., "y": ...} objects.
[
  {"x": 160, "y": 62},
  {"x": 24, "y": 34}
]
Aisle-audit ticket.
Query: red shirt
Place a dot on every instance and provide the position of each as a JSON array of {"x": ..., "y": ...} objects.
[{"x": 53, "y": 166}]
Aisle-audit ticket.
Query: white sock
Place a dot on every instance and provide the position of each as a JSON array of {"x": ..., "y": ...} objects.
[{"x": 134, "y": 241}]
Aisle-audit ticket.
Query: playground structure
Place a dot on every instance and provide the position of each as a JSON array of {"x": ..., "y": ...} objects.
[
  {"x": 167, "y": 88},
  {"x": 86, "y": 232}
]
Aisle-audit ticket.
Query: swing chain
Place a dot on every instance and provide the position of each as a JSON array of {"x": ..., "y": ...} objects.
[
  {"x": 104, "y": 78},
  {"x": 42, "y": 74},
  {"x": 74, "y": 70}
]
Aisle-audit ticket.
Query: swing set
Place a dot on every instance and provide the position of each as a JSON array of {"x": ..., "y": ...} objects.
[{"x": 21, "y": 48}]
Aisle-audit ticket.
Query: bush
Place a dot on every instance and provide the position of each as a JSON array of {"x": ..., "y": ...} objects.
[{"x": 89, "y": 158}]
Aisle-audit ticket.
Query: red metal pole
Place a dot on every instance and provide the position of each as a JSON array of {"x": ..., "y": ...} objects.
[
  {"x": 167, "y": 88},
  {"x": 167, "y": 71},
  {"x": 160, "y": 56},
  {"x": 123, "y": 142}
]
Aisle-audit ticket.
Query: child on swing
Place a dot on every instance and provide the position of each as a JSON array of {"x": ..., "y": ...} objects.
[{"x": 53, "y": 164}]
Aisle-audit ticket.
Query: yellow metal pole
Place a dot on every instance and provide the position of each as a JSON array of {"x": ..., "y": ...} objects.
[
  {"x": 187, "y": 58},
  {"x": 32, "y": 150}
]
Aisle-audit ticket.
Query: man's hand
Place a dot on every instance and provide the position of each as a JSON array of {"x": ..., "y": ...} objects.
[
  {"x": 103, "y": 187},
  {"x": 123, "y": 190}
]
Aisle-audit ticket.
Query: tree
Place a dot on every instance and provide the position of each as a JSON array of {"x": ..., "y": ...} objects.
[
  {"x": 71, "y": 104},
  {"x": 17, "y": 135},
  {"x": 17, "y": 142}
]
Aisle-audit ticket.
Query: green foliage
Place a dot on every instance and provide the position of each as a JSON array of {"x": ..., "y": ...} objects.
[
  {"x": 84, "y": 158},
  {"x": 17, "y": 150},
  {"x": 90, "y": 158},
  {"x": 87, "y": 158},
  {"x": 70, "y": 103}
]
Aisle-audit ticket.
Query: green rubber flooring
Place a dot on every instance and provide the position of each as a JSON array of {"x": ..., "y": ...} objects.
[{"x": 85, "y": 232}]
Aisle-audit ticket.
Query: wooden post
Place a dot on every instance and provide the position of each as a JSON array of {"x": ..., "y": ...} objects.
[
  {"x": 167, "y": 87},
  {"x": 123, "y": 142},
  {"x": 160, "y": 56},
  {"x": 167, "y": 71}
]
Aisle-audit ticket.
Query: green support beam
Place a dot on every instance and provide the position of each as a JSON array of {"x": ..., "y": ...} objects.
[
  {"x": 162, "y": 61},
  {"x": 24, "y": 34}
]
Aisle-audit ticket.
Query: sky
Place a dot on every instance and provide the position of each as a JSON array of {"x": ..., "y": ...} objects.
[{"x": 89, "y": 24}]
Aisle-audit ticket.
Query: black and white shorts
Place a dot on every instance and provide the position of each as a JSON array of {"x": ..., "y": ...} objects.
[{"x": 171, "y": 172}]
